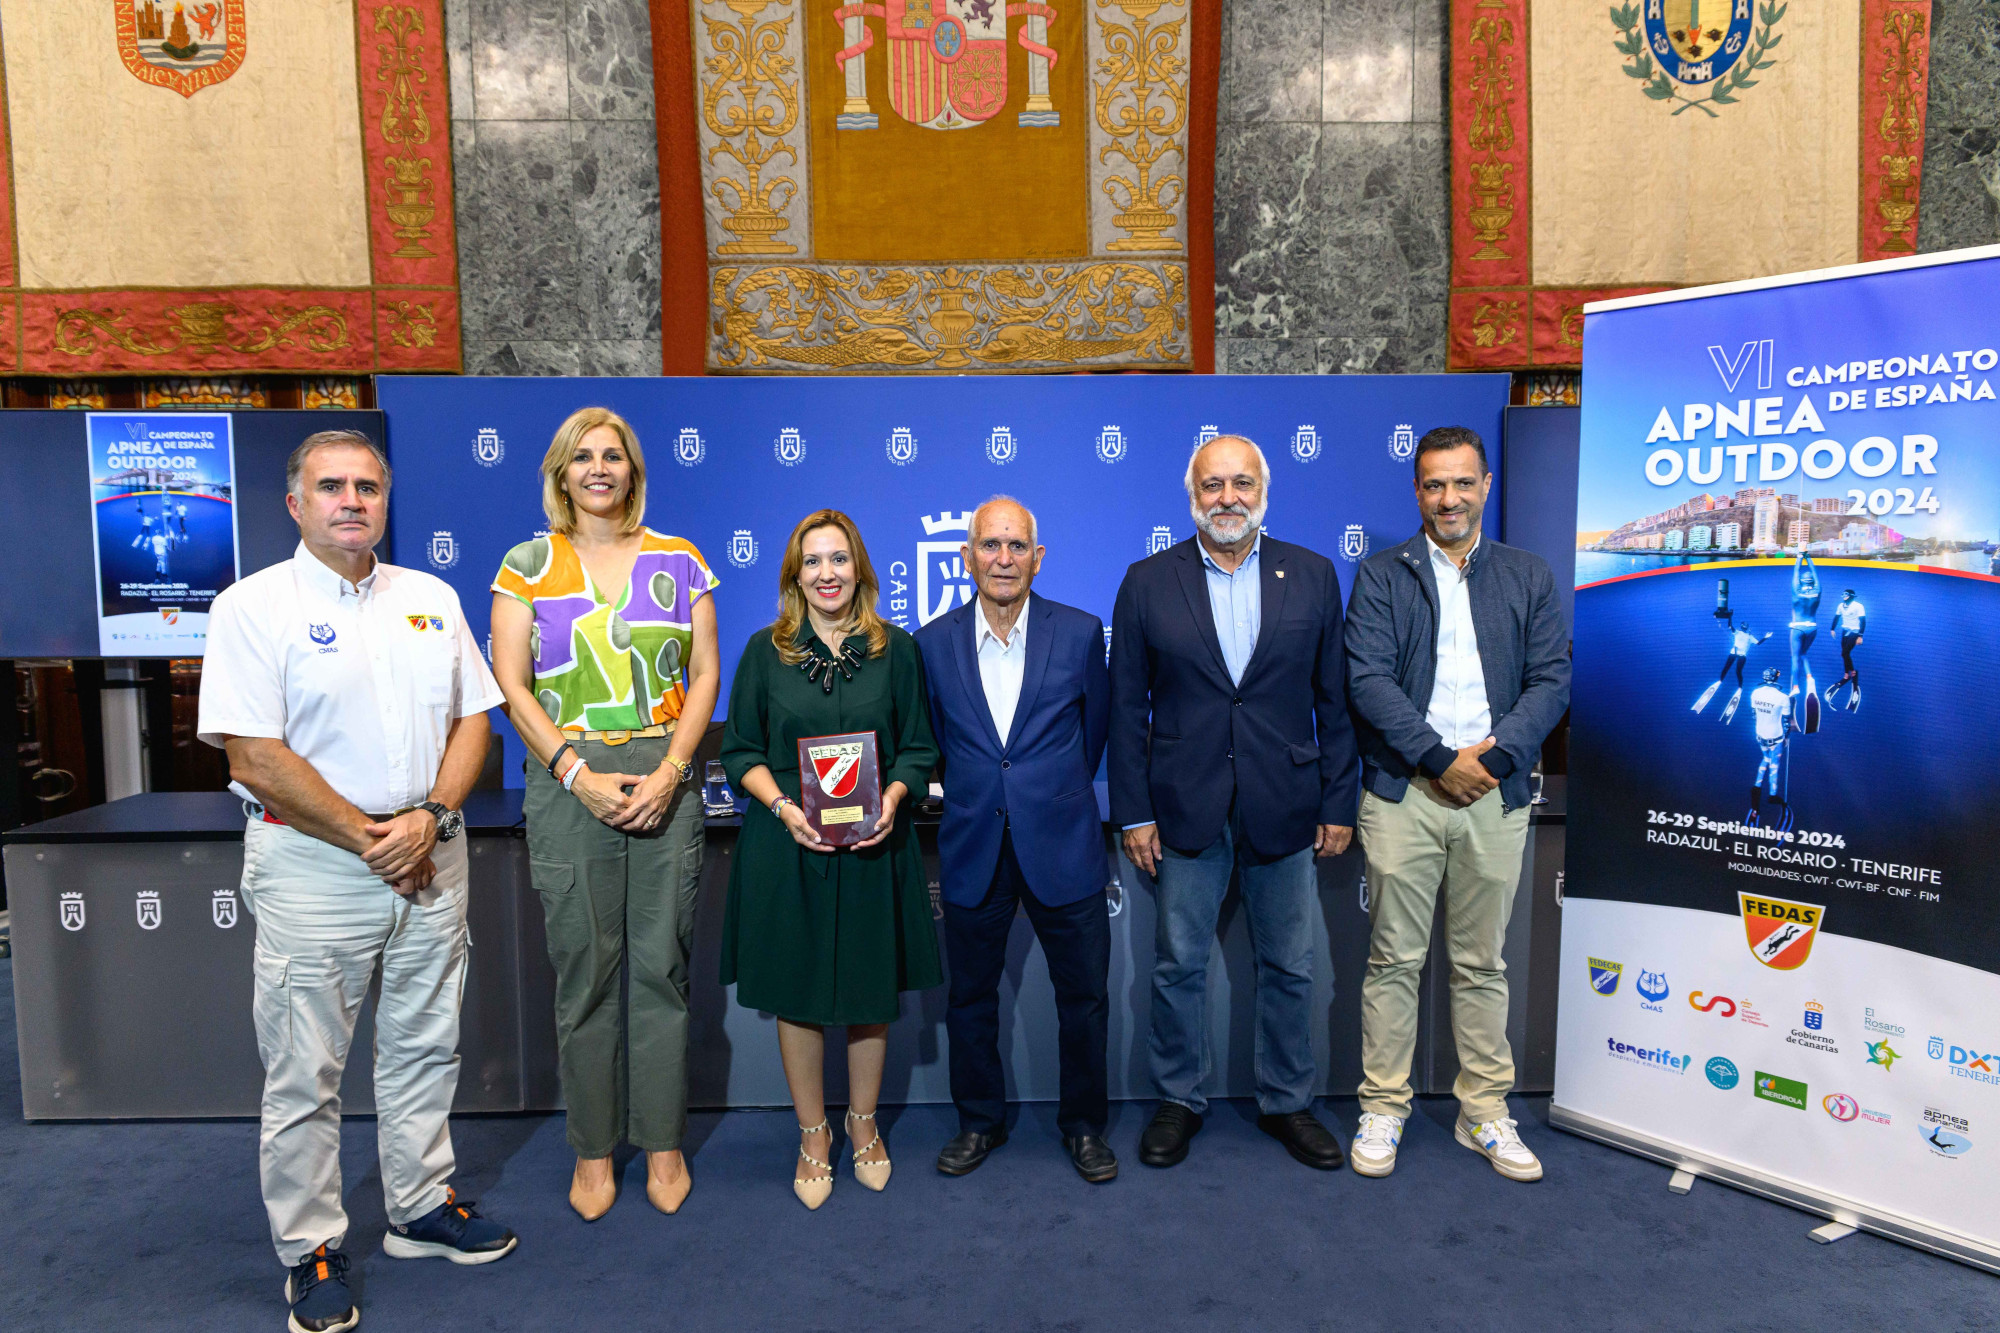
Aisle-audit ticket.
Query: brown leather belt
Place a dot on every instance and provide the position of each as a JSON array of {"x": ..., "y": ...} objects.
[{"x": 620, "y": 737}]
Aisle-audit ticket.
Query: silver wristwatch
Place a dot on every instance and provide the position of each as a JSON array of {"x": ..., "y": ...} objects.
[{"x": 450, "y": 822}]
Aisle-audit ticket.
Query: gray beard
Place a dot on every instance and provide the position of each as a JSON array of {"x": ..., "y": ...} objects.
[{"x": 1253, "y": 521}]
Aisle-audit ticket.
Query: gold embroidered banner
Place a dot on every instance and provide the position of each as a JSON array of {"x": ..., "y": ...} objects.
[
  {"x": 949, "y": 185},
  {"x": 204, "y": 186},
  {"x": 1604, "y": 150}
]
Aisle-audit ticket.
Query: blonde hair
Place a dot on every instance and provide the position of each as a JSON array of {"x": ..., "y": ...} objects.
[
  {"x": 862, "y": 618},
  {"x": 556, "y": 501}
]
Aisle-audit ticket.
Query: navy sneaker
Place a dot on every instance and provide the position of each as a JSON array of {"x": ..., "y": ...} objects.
[
  {"x": 453, "y": 1231},
  {"x": 317, "y": 1290}
]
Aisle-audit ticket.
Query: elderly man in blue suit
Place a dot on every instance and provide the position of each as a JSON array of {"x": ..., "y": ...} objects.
[
  {"x": 1232, "y": 753},
  {"x": 1020, "y": 700}
]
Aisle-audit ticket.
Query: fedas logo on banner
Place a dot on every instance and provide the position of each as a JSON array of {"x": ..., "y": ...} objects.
[{"x": 1780, "y": 933}]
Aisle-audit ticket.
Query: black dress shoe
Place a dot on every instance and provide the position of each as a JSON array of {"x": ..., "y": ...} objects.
[
  {"x": 968, "y": 1150},
  {"x": 1165, "y": 1142},
  {"x": 1093, "y": 1158},
  {"x": 1305, "y": 1138}
]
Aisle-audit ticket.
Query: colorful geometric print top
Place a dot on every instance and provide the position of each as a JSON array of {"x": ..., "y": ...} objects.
[{"x": 608, "y": 665}]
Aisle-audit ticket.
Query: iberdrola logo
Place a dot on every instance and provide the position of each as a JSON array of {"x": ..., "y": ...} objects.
[{"x": 1697, "y": 53}]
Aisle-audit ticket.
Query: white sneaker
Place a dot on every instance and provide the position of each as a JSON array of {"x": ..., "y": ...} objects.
[
  {"x": 1375, "y": 1143},
  {"x": 1500, "y": 1142}
]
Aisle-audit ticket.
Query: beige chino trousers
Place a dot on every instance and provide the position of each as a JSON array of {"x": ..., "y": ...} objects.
[{"x": 1414, "y": 847}]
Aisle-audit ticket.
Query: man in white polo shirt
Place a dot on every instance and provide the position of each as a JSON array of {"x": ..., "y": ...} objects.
[{"x": 352, "y": 702}]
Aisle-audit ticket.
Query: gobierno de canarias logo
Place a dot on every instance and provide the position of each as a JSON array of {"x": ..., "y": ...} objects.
[{"x": 1780, "y": 933}]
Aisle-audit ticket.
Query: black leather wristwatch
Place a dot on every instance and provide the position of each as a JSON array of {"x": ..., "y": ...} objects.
[{"x": 449, "y": 821}]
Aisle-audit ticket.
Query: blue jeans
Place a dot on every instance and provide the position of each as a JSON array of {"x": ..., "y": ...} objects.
[{"x": 1277, "y": 898}]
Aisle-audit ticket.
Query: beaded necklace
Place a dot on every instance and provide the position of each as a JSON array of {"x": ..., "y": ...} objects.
[{"x": 821, "y": 669}]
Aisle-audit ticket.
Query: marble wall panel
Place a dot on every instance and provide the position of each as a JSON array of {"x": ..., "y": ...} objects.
[
  {"x": 615, "y": 202},
  {"x": 520, "y": 59},
  {"x": 1961, "y": 189},
  {"x": 518, "y": 261},
  {"x": 610, "y": 60},
  {"x": 1367, "y": 60},
  {"x": 1268, "y": 232},
  {"x": 1275, "y": 61}
]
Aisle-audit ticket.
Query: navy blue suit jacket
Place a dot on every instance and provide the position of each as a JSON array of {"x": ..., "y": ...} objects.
[
  {"x": 1037, "y": 779},
  {"x": 1184, "y": 740}
]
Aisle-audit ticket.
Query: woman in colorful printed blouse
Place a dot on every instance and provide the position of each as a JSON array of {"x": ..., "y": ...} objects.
[
  {"x": 814, "y": 935},
  {"x": 604, "y": 643}
]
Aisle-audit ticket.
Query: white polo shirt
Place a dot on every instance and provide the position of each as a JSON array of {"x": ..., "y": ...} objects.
[{"x": 362, "y": 681}]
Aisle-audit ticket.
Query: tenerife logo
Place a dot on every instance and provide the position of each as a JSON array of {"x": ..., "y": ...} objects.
[
  {"x": 901, "y": 446},
  {"x": 742, "y": 548},
  {"x": 1697, "y": 53},
  {"x": 1937, "y": 1048},
  {"x": 1204, "y": 435},
  {"x": 1780, "y": 933},
  {"x": 72, "y": 911},
  {"x": 1709, "y": 1005},
  {"x": 942, "y": 582},
  {"x": 443, "y": 551},
  {"x": 1353, "y": 542},
  {"x": 320, "y": 634},
  {"x": 1840, "y": 1106},
  {"x": 1604, "y": 975},
  {"x": 1968, "y": 1062},
  {"x": 148, "y": 907},
  {"x": 790, "y": 447},
  {"x": 1658, "y": 1057},
  {"x": 222, "y": 907},
  {"x": 1883, "y": 1054},
  {"x": 488, "y": 448},
  {"x": 1305, "y": 444},
  {"x": 1111, "y": 445},
  {"x": 196, "y": 47},
  {"x": 1001, "y": 446},
  {"x": 1159, "y": 540},
  {"x": 689, "y": 447},
  {"x": 1784, "y": 1091},
  {"x": 1721, "y": 1073},
  {"x": 1403, "y": 443},
  {"x": 1114, "y": 896},
  {"x": 1948, "y": 1135},
  {"x": 1652, "y": 988}
]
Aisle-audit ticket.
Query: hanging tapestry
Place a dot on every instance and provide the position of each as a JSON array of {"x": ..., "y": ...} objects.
[
  {"x": 212, "y": 186},
  {"x": 946, "y": 186},
  {"x": 1605, "y": 150}
]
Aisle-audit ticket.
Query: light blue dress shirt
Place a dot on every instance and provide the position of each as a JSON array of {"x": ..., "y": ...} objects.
[{"x": 1237, "y": 599}]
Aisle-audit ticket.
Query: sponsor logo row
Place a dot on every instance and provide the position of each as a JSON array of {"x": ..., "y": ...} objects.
[{"x": 74, "y": 912}]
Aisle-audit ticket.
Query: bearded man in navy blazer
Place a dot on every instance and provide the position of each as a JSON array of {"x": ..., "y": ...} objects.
[
  {"x": 1020, "y": 701},
  {"x": 1232, "y": 753}
]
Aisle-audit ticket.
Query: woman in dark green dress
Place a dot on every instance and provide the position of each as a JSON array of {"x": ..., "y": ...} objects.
[{"x": 817, "y": 935}]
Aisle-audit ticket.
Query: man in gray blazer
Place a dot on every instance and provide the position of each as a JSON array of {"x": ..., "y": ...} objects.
[{"x": 1458, "y": 668}]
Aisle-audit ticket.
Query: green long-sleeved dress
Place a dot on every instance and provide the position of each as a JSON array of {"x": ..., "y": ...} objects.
[{"x": 822, "y": 937}]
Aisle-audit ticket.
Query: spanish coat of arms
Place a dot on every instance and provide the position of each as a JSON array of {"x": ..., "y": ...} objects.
[
  {"x": 186, "y": 48},
  {"x": 947, "y": 61}
]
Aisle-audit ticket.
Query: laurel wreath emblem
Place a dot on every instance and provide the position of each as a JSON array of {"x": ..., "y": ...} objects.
[{"x": 1656, "y": 85}]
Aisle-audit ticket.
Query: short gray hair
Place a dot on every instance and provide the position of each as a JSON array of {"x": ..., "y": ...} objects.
[
  {"x": 1034, "y": 528},
  {"x": 1263, "y": 466},
  {"x": 295, "y": 467}
]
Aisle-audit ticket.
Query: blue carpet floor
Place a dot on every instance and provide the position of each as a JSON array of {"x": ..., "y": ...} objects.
[{"x": 159, "y": 1226}]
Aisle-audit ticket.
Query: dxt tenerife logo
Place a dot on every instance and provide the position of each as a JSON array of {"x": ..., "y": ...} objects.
[
  {"x": 1719, "y": 1005},
  {"x": 1784, "y": 1091},
  {"x": 1659, "y": 1057},
  {"x": 942, "y": 582},
  {"x": 1306, "y": 444},
  {"x": 222, "y": 908},
  {"x": 1883, "y": 1054},
  {"x": 1354, "y": 543},
  {"x": 1721, "y": 1072},
  {"x": 1653, "y": 991},
  {"x": 1948, "y": 1135},
  {"x": 1813, "y": 1036},
  {"x": 1159, "y": 540},
  {"x": 1840, "y": 1106},
  {"x": 443, "y": 550},
  {"x": 72, "y": 911},
  {"x": 1111, "y": 445},
  {"x": 487, "y": 447},
  {"x": 689, "y": 447},
  {"x": 790, "y": 447},
  {"x": 1403, "y": 443},
  {"x": 1604, "y": 975},
  {"x": 1001, "y": 446},
  {"x": 742, "y": 548},
  {"x": 901, "y": 446},
  {"x": 147, "y": 904},
  {"x": 1967, "y": 1061},
  {"x": 1780, "y": 933}
]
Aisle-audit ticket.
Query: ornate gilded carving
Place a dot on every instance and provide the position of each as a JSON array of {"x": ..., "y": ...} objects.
[
  {"x": 201, "y": 328},
  {"x": 408, "y": 323},
  {"x": 1491, "y": 133},
  {"x": 405, "y": 124},
  {"x": 949, "y": 318},
  {"x": 749, "y": 58},
  {"x": 1901, "y": 126},
  {"x": 1142, "y": 102}
]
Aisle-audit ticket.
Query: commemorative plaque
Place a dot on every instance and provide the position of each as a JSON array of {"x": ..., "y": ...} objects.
[{"x": 840, "y": 786}]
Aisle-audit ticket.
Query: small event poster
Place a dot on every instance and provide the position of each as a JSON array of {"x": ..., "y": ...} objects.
[{"x": 163, "y": 508}]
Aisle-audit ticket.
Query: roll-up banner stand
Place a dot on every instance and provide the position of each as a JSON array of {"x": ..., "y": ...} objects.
[{"x": 1782, "y": 914}]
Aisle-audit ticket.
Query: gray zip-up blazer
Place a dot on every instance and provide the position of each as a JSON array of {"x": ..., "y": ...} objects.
[{"x": 1392, "y": 663}]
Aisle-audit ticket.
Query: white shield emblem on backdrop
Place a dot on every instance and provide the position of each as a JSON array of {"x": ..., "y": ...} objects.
[
  {"x": 689, "y": 447},
  {"x": 902, "y": 445},
  {"x": 1204, "y": 435},
  {"x": 742, "y": 548},
  {"x": 790, "y": 447},
  {"x": 1001, "y": 446},
  {"x": 1305, "y": 444},
  {"x": 942, "y": 582},
  {"x": 149, "y": 910},
  {"x": 1354, "y": 542},
  {"x": 1111, "y": 444},
  {"x": 487, "y": 447},
  {"x": 444, "y": 551},
  {"x": 223, "y": 908},
  {"x": 72, "y": 911},
  {"x": 1159, "y": 541},
  {"x": 1402, "y": 443}
]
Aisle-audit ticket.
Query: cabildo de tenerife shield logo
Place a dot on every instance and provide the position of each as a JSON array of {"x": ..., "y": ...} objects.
[
  {"x": 1697, "y": 53},
  {"x": 1111, "y": 444},
  {"x": 222, "y": 907},
  {"x": 488, "y": 448},
  {"x": 689, "y": 447},
  {"x": 742, "y": 548},
  {"x": 1402, "y": 443},
  {"x": 443, "y": 550},
  {"x": 148, "y": 907},
  {"x": 901, "y": 446},
  {"x": 1354, "y": 542},
  {"x": 1305, "y": 443},
  {"x": 1001, "y": 446},
  {"x": 72, "y": 911},
  {"x": 1159, "y": 540},
  {"x": 180, "y": 46},
  {"x": 789, "y": 447},
  {"x": 942, "y": 582}
]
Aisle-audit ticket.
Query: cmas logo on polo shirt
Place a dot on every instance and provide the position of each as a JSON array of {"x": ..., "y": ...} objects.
[{"x": 323, "y": 636}]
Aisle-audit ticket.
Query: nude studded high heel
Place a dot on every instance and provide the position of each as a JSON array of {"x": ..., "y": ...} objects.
[
  {"x": 814, "y": 1190},
  {"x": 875, "y": 1175}
]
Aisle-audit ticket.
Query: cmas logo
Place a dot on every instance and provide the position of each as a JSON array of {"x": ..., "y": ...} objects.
[
  {"x": 742, "y": 548},
  {"x": 1402, "y": 443},
  {"x": 1604, "y": 975},
  {"x": 901, "y": 446},
  {"x": 1001, "y": 446},
  {"x": 148, "y": 907},
  {"x": 1306, "y": 444},
  {"x": 1160, "y": 539},
  {"x": 1652, "y": 988},
  {"x": 1111, "y": 445},
  {"x": 443, "y": 551},
  {"x": 72, "y": 911},
  {"x": 222, "y": 908},
  {"x": 1697, "y": 53},
  {"x": 488, "y": 448},
  {"x": 320, "y": 634},
  {"x": 790, "y": 447},
  {"x": 942, "y": 582},
  {"x": 689, "y": 447},
  {"x": 1354, "y": 543}
]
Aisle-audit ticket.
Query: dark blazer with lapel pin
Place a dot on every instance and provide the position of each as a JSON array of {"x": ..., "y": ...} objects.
[
  {"x": 1180, "y": 730},
  {"x": 1040, "y": 777}
]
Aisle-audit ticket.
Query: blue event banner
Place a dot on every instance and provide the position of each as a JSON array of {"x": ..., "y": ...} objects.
[
  {"x": 734, "y": 463},
  {"x": 163, "y": 513}
]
